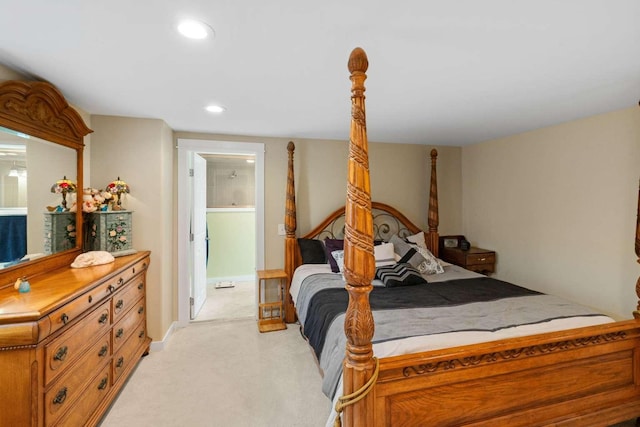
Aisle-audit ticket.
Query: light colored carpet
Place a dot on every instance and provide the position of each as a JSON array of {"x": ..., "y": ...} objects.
[
  {"x": 228, "y": 374},
  {"x": 229, "y": 303}
]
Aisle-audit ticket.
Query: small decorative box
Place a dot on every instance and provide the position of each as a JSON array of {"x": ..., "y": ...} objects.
[
  {"x": 59, "y": 231},
  {"x": 109, "y": 231}
]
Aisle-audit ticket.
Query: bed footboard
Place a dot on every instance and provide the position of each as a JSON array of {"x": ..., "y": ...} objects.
[{"x": 581, "y": 377}]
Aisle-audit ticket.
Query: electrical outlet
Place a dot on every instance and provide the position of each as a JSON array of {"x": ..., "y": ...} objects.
[{"x": 281, "y": 230}]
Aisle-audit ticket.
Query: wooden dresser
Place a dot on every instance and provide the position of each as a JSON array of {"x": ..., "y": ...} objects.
[{"x": 68, "y": 346}]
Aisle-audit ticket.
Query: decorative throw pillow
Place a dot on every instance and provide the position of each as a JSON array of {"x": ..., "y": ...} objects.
[
  {"x": 339, "y": 257},
  {"x": 331, "y": 245},
  {"x": 397, "y": 275},
  {"x": 384, "y": 254},
  {"x": 433, "y": 265},
  {"x": 408, "y": 254},
  {"x": 312, "y": 251},
  {"x": 418, "y": 239}
]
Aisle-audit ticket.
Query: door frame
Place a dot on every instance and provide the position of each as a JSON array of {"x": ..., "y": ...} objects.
[{"x": 186, "y": 146}]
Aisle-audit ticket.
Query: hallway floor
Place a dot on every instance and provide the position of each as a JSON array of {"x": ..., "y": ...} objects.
[{"x": 237, "y": 302}]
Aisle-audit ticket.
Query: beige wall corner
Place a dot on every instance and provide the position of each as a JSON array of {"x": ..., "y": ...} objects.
[{"x": 559, "y": 207}]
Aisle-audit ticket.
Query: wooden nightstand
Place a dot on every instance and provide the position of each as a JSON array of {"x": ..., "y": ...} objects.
[
  {"x": 271, "y": 314},
  {"x": 475, "y": 259}
]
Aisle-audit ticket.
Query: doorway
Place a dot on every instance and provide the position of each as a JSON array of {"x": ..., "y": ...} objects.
[
  {"x": 188, "y": 150},
  {"x": 231, "y": 231}
]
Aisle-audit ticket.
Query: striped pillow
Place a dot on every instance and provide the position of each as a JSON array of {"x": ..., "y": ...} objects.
[{"x": 400, "y": 274}]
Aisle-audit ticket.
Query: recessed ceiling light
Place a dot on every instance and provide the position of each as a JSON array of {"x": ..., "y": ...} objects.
[
  {"x": 194, "y": 29},
  {"x": 215, "y": 109}
]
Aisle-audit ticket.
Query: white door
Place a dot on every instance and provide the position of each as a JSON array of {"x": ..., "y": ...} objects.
[{"x": 199, "y": 233}]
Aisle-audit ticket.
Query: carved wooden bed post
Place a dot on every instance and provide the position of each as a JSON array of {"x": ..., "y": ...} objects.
[
  {"x": 636, "y": 313},
  {"x": 359, "y": 264},
  {"x": 433, "y": 216},
  {"x": 290, "y": 239}
]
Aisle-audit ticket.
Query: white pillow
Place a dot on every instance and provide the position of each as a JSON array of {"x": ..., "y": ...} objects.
[
  {"x": 384, "y": 254},
  {"x": 418, "y": 239}
]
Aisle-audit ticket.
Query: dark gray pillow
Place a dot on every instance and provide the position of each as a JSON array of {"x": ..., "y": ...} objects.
[
  {"x": 396, "y": 275},
  {"x": 312, "y": 251}
]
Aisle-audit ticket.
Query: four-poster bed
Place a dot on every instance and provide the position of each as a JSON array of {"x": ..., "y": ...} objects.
[{"x": 578, "y": 376}]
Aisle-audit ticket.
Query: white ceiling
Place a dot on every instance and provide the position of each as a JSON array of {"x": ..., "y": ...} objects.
[{"x": 440, "y": 72}]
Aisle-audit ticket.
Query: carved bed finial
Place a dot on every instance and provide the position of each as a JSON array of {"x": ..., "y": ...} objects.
[{"x": 358, "y": 62}]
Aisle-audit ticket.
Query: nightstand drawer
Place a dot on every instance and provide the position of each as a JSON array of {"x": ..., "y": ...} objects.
[{"x": 475, "y": 259}]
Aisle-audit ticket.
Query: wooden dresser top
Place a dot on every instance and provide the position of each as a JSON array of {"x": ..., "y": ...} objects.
[{"x": 56, "y": 288}]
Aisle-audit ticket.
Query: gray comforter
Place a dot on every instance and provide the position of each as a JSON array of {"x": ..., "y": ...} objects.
[{"x": 475, "y": 304}]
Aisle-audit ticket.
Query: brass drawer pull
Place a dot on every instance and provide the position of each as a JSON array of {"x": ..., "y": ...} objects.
[
  {"x": 120, "y": 362},
  {"x": 61, "y": 396},
  {"x": 119, "y": 333},
  {"x": 133, "y": 270},
  {"x": 64, "y": 318},
  {"x": 482, "y": 259},
  {"x": 61, "y": 354},
  {"x": 120, "y": 281},
  {"x": 141, "y": 310},
  {"x": 103, "y": 351},
  {"x": 144, "y": 265},
  {"x": 111, "y": 288},
  {"x": 90, "y": 299},
  {"x": 119, "y": 304},
  {"x": 103, "y": 383},
  {"x": 103, "y": 319},
  {"x": 141, "y": 334},
  {"x": 140, "y": 286}
]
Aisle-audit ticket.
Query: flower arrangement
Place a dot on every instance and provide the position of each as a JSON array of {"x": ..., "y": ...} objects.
[{"x": 95, "y": 200}]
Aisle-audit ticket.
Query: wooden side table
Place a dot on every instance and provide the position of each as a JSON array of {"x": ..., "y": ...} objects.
[
  {"x": 271, "y": 314},
  {"x": 475, "y": 259}
]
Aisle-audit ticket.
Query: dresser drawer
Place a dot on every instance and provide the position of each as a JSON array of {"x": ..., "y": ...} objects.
[
  {"x": 80, "y": 305},
  {"x": 480, "y": 258},
  {"x": 125, "y": 298},
  {"x": 95, "y": 393},
  {"x": 125, "y": 356},
  {"x": 69, "y": 345},
  {"x": 69, "y": 386},
  {"x": 125, "y": 327}
]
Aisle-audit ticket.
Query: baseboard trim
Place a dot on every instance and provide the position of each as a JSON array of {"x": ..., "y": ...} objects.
[{"x": 159, "y": 345}]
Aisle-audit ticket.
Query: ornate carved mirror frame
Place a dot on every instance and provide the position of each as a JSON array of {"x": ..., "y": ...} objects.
[{"x": 38, "y": 109}]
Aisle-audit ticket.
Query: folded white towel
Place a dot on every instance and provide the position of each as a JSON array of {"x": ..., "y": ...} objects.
[{"x": 90, "y": 258}]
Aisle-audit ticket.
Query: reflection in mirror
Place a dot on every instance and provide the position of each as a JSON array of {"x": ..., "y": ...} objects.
[{"x": 29, "y": 167}]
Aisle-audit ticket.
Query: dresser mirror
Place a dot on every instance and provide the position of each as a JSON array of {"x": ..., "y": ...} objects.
[{"x": 41, "y": 142}]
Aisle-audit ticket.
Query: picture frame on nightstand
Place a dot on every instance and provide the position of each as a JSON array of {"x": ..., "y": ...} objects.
[{"x": 450, "y": 242}]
